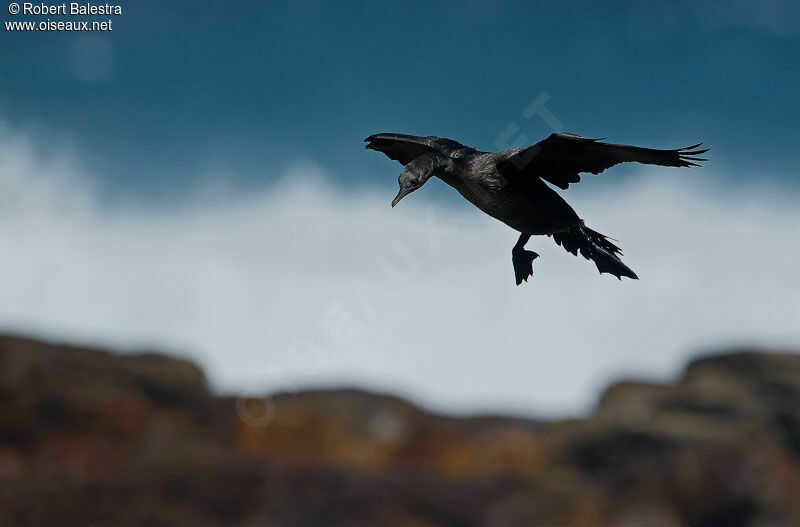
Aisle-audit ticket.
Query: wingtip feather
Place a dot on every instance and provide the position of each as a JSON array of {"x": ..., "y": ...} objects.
[{"x": 694, "y": 152}]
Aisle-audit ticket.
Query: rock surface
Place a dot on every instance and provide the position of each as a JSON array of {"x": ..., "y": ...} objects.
[{"x": 92, "y": 438}]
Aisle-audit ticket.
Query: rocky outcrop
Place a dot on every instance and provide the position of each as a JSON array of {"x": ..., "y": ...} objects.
[{"x": 92, "y": 438}]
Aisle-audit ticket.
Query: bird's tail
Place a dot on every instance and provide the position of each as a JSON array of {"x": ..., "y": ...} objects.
[{"x": 596, "y": 247}]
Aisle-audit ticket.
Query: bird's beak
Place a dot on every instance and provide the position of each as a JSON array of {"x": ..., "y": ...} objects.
[{"x": 400, "y": 195}]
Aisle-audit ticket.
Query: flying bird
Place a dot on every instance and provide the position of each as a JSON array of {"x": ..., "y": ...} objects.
[{"x": 512, "y": 186}]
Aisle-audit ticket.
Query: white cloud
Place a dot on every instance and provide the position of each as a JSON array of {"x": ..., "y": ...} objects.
[{"x": 304, "y": 284}]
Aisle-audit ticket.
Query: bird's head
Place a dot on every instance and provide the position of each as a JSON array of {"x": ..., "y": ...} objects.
[{"x": 420, "y": 170}]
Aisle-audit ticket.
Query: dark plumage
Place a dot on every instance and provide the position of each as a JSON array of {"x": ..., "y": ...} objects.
[{"x": 510, "y": 185}]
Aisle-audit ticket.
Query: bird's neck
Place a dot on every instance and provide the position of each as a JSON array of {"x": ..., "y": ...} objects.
[{"x": 453, "y": 176}]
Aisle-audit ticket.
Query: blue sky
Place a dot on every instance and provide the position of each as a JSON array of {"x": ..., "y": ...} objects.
[
  {"x": 255, "y": 86},
  {"x": 195, "y": 181}
]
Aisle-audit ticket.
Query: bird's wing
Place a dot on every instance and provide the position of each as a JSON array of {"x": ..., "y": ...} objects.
[
  {"x": 406, "y": 148},
  {"x": 561, "y": 158}
]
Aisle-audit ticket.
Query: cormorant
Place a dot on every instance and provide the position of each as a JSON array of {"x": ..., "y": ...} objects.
[{"x": 510, "y": 185}]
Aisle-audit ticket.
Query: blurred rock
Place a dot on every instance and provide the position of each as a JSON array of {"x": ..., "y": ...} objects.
[{"x": 92, "y": 438}]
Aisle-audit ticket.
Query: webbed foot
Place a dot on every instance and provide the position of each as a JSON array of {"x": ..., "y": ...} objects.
[{"x": 523, "y": 263}]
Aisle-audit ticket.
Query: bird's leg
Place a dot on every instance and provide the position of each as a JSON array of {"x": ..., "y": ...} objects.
[{"x": 522, "y": 259}]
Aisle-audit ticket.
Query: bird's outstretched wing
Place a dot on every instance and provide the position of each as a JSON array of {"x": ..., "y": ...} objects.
[
  {"x": 406, "y": 148},
  {"x": 560, "y": 158}
]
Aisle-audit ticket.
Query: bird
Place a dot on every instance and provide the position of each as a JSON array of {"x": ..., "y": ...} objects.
[{"x": 514, "y": 186}]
